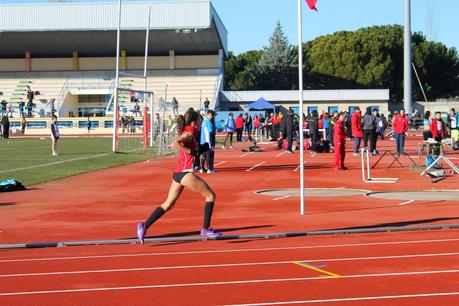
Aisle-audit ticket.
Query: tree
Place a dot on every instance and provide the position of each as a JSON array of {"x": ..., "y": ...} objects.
[
  {"x": 241, "y": 72},
  {"x": 367, "y": 58},
  {"x": 275, "y": 65}
]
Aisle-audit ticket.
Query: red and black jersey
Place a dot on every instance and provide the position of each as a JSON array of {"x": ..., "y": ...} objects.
[{"x": 185, "y": 163}]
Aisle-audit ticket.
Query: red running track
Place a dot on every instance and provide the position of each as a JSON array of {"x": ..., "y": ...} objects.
[{"x": 418, "y": 268}]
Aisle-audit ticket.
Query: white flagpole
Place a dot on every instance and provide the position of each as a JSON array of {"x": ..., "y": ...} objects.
[
  {"x": 300, "y": 98},
  {"x": 117, "y": 76}
]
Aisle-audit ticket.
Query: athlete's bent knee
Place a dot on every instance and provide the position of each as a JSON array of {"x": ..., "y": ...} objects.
[{"x": 210, "y": 196}]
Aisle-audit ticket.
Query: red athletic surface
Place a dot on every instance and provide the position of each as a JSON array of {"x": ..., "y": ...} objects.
[{"x": 107, "y": 204}]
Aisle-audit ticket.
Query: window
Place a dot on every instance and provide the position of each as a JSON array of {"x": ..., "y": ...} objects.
[
  {"x": 332, "y": 109},
  {"x": 374, "y": 107},
  {"x": 312, "y": 108},
  {"x": 296, "y": 110}
]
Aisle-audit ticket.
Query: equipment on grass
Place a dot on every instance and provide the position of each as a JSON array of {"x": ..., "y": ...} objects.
[
  {"x": 11, "y": 185},
  {"x": 366, "y": 174}
]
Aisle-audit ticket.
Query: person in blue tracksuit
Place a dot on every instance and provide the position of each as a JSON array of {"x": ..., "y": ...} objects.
[
  {"x": 230, "y": 125},
  {"x": 208, "y": 132}
]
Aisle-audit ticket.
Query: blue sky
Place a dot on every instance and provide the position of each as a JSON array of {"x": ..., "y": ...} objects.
[{"x": 251, "y": 22}]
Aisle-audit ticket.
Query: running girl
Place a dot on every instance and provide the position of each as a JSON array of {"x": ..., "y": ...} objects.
[{"x": 183, "y": 176}]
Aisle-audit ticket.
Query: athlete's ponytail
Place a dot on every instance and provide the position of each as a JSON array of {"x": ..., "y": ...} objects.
[
  {"x": 186, "y": 120},
  {"x": 180, "y": 123}
]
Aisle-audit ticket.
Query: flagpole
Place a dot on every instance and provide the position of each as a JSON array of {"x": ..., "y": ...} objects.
[{"x": 300, "y": 103}]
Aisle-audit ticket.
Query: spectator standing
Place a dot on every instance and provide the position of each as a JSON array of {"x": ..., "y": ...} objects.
[
  {"x": 290, "y": 130},
  {"x": 383, "y": 126},
  {"x": 54, "y": 135},
  {"x": 89, "y": 125},
  {"x": 3, "y": 108},
  {"x": 5, "y": 127},
  {"x": 326, "y": 122},
  {"x": 248, "y": 126},
  {"x": 427, "y": 122},
  {"x": 21, "y": 108},
  {"x": 239, "y": 127},
  {"x": 313, "y": 126},
  {"x": 175, "y": 106},
  {"x": 357, "y": 131},
  {"x": 29, "y": 109},
  {"x": 10, "y": 110},
  {"x": 438, "y": 127},
  {"x": 229, "y": 127},
  {"x": 208, "y": 133},
  {"x": 454, "y": 126},
  {"x": 23, "y": 125},
  {"x": 340, "y": 142},
  {"x": 369, "y": 130},
  {"x": 400, "y": 127},
  {"x": 30, "y": 95},
  {"x": 137, "y": 109},
  {"x": 256, "y": 126},
  {"x": 375, "y": 135},
  {"x": 206, "y": 105}
]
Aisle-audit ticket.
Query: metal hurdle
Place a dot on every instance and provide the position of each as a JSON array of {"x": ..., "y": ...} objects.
[{"x": 366, "y": 173}]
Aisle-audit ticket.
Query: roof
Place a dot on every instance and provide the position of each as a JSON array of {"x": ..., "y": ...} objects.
[
  {"x": 260, "y": 104},
  {"x": 179, "y": 25},
  {"x": 308, "y": 95}
]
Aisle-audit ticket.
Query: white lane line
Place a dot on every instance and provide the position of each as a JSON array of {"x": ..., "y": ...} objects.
[
  {"x": 233, "y": 250},
  {"x": 281, "y": 198},
  {"x": 281, "y": 153},
  {"x": 224, "y": 265},
  {"x": 298, "y": 168},
  {"x": 222, "y": 283},
  {"x": 246, "y": 154},
  {"x": 406, "y": 203},
  {"x": 220, "y": 163},
  {"x": 257, "y": 165},
  {"x": 365, "y": 298},
  {"x": 56, "y": 163}
]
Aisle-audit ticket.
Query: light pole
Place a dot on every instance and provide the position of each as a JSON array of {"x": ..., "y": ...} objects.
[{"x": 407, "y": 90}]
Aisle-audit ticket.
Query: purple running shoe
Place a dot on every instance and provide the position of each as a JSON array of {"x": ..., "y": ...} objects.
[
  {"x": 141, "y": 231},
  {"x": 210, "y": 233}
]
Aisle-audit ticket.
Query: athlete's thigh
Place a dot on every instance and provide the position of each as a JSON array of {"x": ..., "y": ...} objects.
[
  {"x": 195, "y": 183},
  {"x": 174, "y": 192}
]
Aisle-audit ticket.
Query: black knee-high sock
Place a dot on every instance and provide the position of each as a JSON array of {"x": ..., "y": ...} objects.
[
  {"x": 208, "y": 209},
  {"x": 158, "y": 213}
]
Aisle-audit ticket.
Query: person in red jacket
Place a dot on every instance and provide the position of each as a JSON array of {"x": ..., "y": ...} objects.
[
  {"x": 357, "y": 131},
  {"x": 239, "y": 127},
  {"x": 339, "y": 139},
  {"x": 400, "y": 126},
  {"x": 437, "y": 127}
]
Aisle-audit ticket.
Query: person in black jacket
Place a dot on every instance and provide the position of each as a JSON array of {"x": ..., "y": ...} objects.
[
  {"x": 313, "y": 126},
  {"x": 248, "y": 126},
  {"x": 290, "y": 129},
  {"x": 5, "y": 127}
]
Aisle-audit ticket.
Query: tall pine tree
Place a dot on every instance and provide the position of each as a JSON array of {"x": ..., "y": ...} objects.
[{"x": 276, "y": 63}]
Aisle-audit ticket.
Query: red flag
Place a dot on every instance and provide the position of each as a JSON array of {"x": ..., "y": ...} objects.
[{"x": 312, "y": 4}]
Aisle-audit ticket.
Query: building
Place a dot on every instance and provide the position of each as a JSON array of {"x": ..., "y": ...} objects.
[
  {"x": 67, "y": 52},
  {"x": 320, "y": 100}
]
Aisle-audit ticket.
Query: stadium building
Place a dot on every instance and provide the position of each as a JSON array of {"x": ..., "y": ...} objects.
[{"x": 66, "y": 54}]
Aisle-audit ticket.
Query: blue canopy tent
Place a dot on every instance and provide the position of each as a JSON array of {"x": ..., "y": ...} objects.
[{"x": 261, "y": 104}]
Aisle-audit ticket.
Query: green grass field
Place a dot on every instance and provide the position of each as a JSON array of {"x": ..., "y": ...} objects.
[{"x": 30, "y": 160}]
